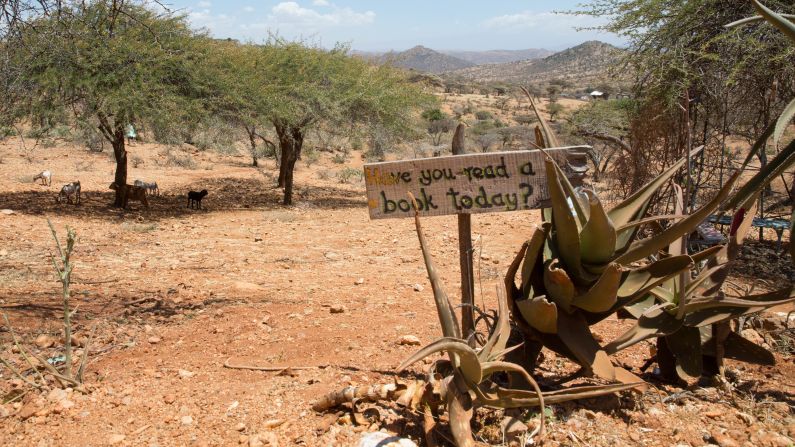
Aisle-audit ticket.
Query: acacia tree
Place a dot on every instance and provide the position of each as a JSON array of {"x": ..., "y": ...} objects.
[
  {"x": 113, "y": 63},
  {"x": 306, "y": 86}
]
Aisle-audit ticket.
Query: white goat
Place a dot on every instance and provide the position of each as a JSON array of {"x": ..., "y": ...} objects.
[
  {"x": 151, "y": 188},
  {"x": 69, "y": 190},
  {"x": 45, "y": 177}
]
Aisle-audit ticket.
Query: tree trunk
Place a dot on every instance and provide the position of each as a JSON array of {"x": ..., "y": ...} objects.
[
  {"x": 291, "y": 140},
  {"x": 120, "y": 153},
  {"x": 252, "y": 134}
]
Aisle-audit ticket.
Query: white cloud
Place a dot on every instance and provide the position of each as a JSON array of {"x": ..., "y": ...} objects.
[
  {"x": 293, "y": 15},
  {"x": 529, "y": 20},
  {"x": 320, "y": 2},
  {"x": 248, "y": 9},
  {"x": 204, "y": 4}
]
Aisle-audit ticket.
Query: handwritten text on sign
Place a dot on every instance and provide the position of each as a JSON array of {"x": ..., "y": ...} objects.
[{"x": 472, "y": 183}]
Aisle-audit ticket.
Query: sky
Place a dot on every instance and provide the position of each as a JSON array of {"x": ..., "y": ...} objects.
[{"x": 380, "y": 25}]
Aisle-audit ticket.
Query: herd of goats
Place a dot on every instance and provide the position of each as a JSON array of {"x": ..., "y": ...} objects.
[{"x": 70, "y": 192}]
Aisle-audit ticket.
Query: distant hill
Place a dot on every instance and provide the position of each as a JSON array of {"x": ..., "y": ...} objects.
[
  {"x": 498, "y": 56},
  {"x": 585, "y": 62},
  {"x": 421, "y": 58}
]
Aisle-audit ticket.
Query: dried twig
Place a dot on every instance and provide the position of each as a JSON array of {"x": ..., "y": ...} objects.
[{"x": 266, "y": 368}]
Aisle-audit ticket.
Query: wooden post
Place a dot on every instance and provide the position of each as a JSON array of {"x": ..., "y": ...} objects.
[{"x": 465, "y": 255}]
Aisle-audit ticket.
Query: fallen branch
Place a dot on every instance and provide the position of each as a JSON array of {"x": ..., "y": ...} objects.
[{"x": 266, "y": 368}]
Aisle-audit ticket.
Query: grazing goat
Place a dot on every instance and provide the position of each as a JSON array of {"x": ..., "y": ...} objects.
[
  {"x": 45, "y": 177},
  {"x": 131, "y": 192},
  {"x": 69, "y": 190},
  {"x": 151, "y": 188},
  {"x": 196, "y": 198}
]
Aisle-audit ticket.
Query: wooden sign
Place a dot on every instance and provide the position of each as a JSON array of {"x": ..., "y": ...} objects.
[{"x": 463, "y": 184}]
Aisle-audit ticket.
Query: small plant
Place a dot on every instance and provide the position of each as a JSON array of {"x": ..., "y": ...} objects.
[
  {"x": 348, "y": 175},
  {"x": 339, "y": 158},
  {"x": 184, "y": 161},
  {"x": 137, "y": 161},
  {"x": 310, "y": 157},
  {"x": 63, "y": 265},
  {"x": 483, "y": 115}
]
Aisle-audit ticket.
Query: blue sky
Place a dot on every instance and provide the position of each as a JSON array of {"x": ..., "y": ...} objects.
[{"x": 384, "y": 25}]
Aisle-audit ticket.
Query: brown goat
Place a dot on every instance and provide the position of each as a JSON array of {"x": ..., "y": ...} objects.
[{"x": 131, "y": 192}]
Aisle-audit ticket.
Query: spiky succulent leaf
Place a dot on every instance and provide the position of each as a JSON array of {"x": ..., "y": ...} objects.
[
  {"x": 685, "y": 344},
  {"x": 651, "y": 245},
  {"x": 603, "y": 294},
  {"x": 598, "y": 236},
  {"x": 495, "y": 345},
  {"x": 783, "y": 121},
  {"x": 655, "y": 322},
  {"x": 469, "y": 364},
  {"x": 560, "y": 288},
  {"x": 780, "y": 163},
  {"x": 574, "y": 332},
  {"x": 564, "y": 226},
  {"x": 776, "y": 19},
  {"x": 533, "y": 255}
]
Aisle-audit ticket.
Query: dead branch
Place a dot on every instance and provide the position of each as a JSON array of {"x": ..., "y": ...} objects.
[{"x": 267, "y": 368}]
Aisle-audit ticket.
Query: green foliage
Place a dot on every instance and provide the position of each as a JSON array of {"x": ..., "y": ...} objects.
[
  {"x": 348, "y": 175},
  {"x": 554, "y": 109},
  {"x": 482, "y": 115},
  {"x": 434, "y": 115}
]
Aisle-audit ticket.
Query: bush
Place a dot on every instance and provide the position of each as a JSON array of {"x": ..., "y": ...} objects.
[
  {"x": 136, "y": 161},
  {"x": 184, "y": 161},
  {"x": 7, "y": 131},
  {"x": 340, "y": 158},
  {"x": 348, "y": 175},
  {"x": 310, "y": 157},
  {"x": 483, "y": 115},
  {"x": 433, "y": 115}
]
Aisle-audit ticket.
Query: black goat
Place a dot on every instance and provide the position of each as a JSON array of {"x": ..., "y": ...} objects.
[{"x": 196, "y": 198}]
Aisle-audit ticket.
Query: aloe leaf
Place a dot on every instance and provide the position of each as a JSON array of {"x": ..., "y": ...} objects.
[
  {"x": 469, "y": 364},
  {"x": 533, "y": 256},
  {"x": 655, "y": 322},
  {"x": 602, "y": 295},
  {"x": 565, "y": 229},
  {"x": 685, "y": 344},
  {"x": 706, "y": 254},
  {"x": 598, "y": 236},
  {"x": 783, "y": 121},
  {"x": 492, "y": 367},
  {"x": 510, "y": 398},
  {"x": 634, "y": 206},
  {"x": 776, "y": 19},
  {"x": 510, "y": 275},
  {"x": 540, "y": 314},
  {"x": 551, "y": 140},
  {"x": 641, "y": 280},
  {"x": 753, "y": 19},
  {"x": 444, "y": 308},
  {"x": 647, "y": 220},
  {"x": 580, "y": 208},
  {"x": 574, "y": 332},
  {"x": 781, "y": 162},
  {"x": 502, "y": 330},
  {"x": 560, "y": 288},
  {"x": 708, "y": 310},
  {"x": 645, "y": 247},
  {"x": 791, "y": 242},
  {"x": 635, "y": 310}
]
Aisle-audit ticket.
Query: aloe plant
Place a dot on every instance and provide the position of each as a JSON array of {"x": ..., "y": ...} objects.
[{"x": 467, "y": 372}]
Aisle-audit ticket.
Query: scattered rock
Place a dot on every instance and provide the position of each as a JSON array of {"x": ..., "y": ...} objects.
[
  {"x": 186, "y": 420},
  {"x": 410, "y": 340},
  {"x": 359, "y": 281},
  {"x": 7, "y": 212},
  {"x": 753, "y": 336},
  {"x": 331, "y": 256},
  {"x": 28, "y": 410},
  {"x": 57, "y": 395},
  {"x": 153, "y": 339},
  {"x": 513, "y": 427},
  {"x": 240, "y": 427},
  {"x": 381, "y": 439},
  {"x": 169, "y": 398},
  {"x": 418, "y": 288},
  {"x": 272, "y": 423},
  {"x": 44, "y": 341},
  {"x": 115, "y": 439},
  {"x": 723, "y": 440},
  {"x": 185, "y": 374},
  {"x": 745, "y": 417},
  {"x": 337, "y": 308}
]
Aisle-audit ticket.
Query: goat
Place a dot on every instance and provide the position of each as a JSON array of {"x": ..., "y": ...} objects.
[
  {"x": 131, "y": 192},
  {"x": 45, "y": 177},
  {"x": 196, "y": 198},
  {"x": 151, "y": 188},
  {"x": 69, "y": 190}
]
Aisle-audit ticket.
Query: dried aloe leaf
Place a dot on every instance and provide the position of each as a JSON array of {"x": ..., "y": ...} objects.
[
  {"x": 560, "y": 288},
  {"x": 509, "y": 398},
  {"x": 502, "y": 331},
  {"x": 540, "y": 314},
  {"x": 469, "y": 364}
]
